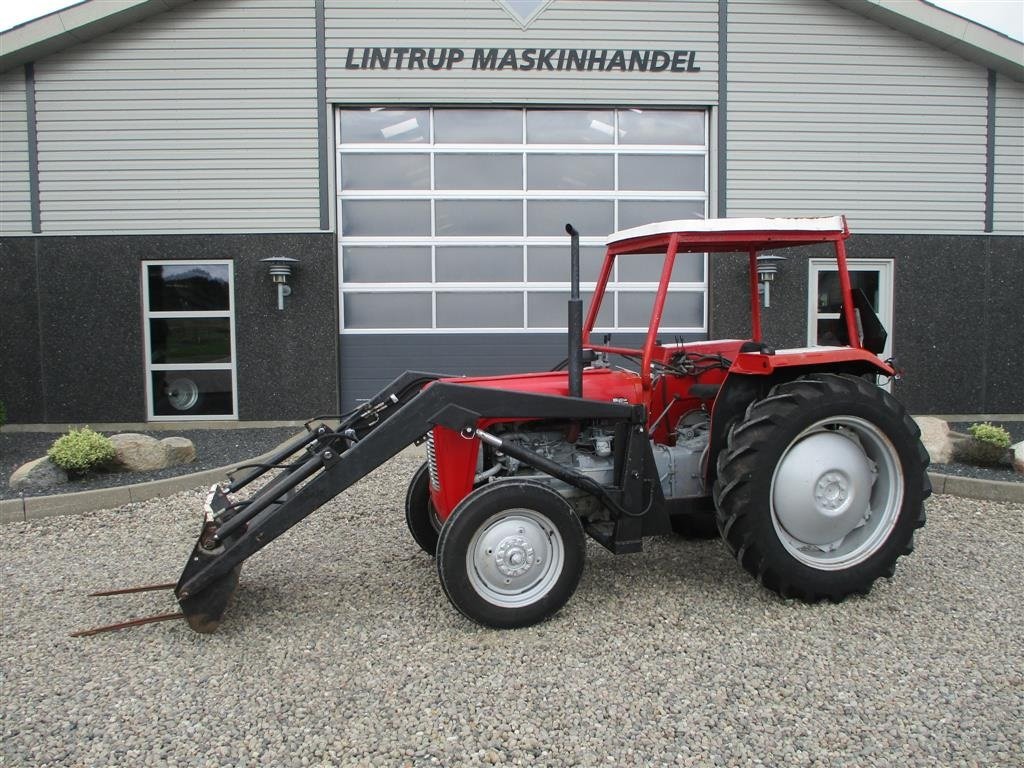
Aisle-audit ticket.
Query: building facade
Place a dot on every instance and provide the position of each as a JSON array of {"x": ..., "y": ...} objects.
[{"x": 420, "y": 160}]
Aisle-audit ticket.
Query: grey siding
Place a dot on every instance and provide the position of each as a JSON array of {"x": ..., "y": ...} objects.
[
  {"x": 651, "y": 24},
  {"x": 830, "y": 112},
  {"x": 1009, "y": 154},
  {"x": 202, "y": 118},
  {"x": 15, "y": 209}
]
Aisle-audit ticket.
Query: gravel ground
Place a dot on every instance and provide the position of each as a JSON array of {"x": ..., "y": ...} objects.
[
  {"x": 340, "y": 649},
  {"x": 214, "y": 448}
]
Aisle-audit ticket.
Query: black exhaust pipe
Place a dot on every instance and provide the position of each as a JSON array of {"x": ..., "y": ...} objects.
[{"x": 575, "y": 316}]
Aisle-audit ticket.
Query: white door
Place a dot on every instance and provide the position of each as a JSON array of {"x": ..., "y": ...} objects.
[{"x": 873, "y": 276}]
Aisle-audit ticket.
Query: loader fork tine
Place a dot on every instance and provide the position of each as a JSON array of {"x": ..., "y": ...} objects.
[
  {"x": 127, "y": 624},
  {"x": 132, "y": 590}
]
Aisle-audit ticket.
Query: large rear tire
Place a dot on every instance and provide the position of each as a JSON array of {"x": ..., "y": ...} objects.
[
  {"x": 420, "y": 515},
  {"x": 511, "y": 554},
  {"x": 821, "y": 486}
]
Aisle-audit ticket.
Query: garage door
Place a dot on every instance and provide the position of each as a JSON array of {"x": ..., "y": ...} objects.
[{"x": 452, "y": 220}]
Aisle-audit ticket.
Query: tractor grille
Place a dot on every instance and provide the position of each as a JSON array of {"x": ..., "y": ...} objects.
[{"x": 432, "y": 461}]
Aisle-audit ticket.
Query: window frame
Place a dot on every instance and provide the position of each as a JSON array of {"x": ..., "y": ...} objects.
[
  {"x": 151, "y": 367},
  {"x": 524, "y": 195}
]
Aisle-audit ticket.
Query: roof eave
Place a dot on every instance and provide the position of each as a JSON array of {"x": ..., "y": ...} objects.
[
  {"x": 41, "y": 37},
  {"x": 947, "y": 31}
]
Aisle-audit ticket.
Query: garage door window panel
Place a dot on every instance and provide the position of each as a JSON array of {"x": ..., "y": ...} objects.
[
  {"x": 478, "y": 126},
  {"x": 478, "y": 171},
  {"x": 570, "y": 126},
  {"x": 565, "y": 171},
  {"x": 661, "y": 126},
  {"x": 390, "y": 126},
  {"x": 388, "y": 310},
  {"x": 479, "y": 264},
  {"x": 386, "y": 264},
  {"x": 386, "y": 218},
  {"x": 467, "y": 310},
  {"x": 547, "y": 218},
  {"x": 386, "y": 171},
  {"x": 661, "y": 172}
]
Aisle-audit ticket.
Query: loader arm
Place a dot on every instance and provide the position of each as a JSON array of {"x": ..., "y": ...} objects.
[{"x": 398, "y": 416}]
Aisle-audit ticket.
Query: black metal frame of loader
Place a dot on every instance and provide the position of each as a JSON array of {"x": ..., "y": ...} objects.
[{"x": 400, "y": 415}]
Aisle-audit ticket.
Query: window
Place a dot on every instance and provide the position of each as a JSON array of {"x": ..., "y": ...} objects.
[
  {"x": 453, "y": 219},
  {"x": 189, "y": 331},
  {"x": 824, "y": 321}
]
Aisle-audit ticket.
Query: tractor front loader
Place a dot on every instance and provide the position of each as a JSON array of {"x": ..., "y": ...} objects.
[{"x": 812, "y": 474}]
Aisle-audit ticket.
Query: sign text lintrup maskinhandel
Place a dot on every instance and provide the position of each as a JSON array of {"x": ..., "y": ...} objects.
[{"x": 523, "y": 59}]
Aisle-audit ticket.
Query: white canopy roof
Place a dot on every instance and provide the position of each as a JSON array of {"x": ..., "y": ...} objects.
[{"x": 816, "y": 224}]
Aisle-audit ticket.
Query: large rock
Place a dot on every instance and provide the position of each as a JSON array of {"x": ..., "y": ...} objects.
[
  {"x": 936, "y": 438},
  {"x": 39, "y": 475},
  {"x": 179, "y": 450},
  {"x": 1018, "y": 457},
  {"x": 138, "y": 453}
]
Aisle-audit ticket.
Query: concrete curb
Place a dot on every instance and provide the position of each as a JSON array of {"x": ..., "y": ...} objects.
[
  {"x": 39, "y": 507},
  {"x": 975, "y": 488}
]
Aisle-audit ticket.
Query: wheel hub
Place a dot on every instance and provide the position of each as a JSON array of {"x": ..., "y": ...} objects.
[
  {"x": 832, "y": 491},
  {"x": 514, "y": 556},
  {"x": 823, "y": 488}
]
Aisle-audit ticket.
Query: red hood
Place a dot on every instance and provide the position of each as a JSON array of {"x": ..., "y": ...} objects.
[{"x": 598, "y": 384}]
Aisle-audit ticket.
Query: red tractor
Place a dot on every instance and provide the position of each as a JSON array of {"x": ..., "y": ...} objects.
[{"x": 812, "y": 474}]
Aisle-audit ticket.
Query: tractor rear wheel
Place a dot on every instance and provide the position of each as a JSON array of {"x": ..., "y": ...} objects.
[
  {"x": 511, "y": 554},
  {"x": 821, "y": 486},
  {"x": 420, "y": 515}
]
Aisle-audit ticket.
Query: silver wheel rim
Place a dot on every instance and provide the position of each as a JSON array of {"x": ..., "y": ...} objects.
[
  {"x": 836, "y": 493},
  {"x": 515, "y": 558},
  {"x": 182, "y": 394}
]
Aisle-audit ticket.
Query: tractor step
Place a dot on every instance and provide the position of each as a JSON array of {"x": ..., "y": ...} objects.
[{"x": 604, "y": 534}]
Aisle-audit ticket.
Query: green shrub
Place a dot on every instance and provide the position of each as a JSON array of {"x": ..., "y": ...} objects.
[
  {"x": 987, "y": 447},
  {"x": 81, "y": 450},
  {"x": 989, "y": 433},
  {"x": 3, "y": 413}
]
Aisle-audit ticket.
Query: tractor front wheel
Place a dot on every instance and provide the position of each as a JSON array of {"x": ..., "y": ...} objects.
[
  {"x": 511, "y": 554},
  {"x": 420, "y": 515},
  {"x": 821, "y": 486}
]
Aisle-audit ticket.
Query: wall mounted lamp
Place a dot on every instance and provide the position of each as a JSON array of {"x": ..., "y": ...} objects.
[
  {"x": 767, "y": 269},
  {"x": 280, "y": 271}
]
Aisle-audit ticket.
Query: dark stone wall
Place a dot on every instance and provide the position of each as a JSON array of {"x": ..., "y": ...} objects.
[
  {"x": 958, "y": 314},
  {"x": 71, "y": 338}
]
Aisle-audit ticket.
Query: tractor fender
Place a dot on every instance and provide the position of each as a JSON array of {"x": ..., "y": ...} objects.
[{"x": 752, "y": 376}]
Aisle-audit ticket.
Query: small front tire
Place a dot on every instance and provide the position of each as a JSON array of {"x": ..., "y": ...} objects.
[
  {"x": 511, "y": 554},
  {"x": 420, "y": 515}
]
